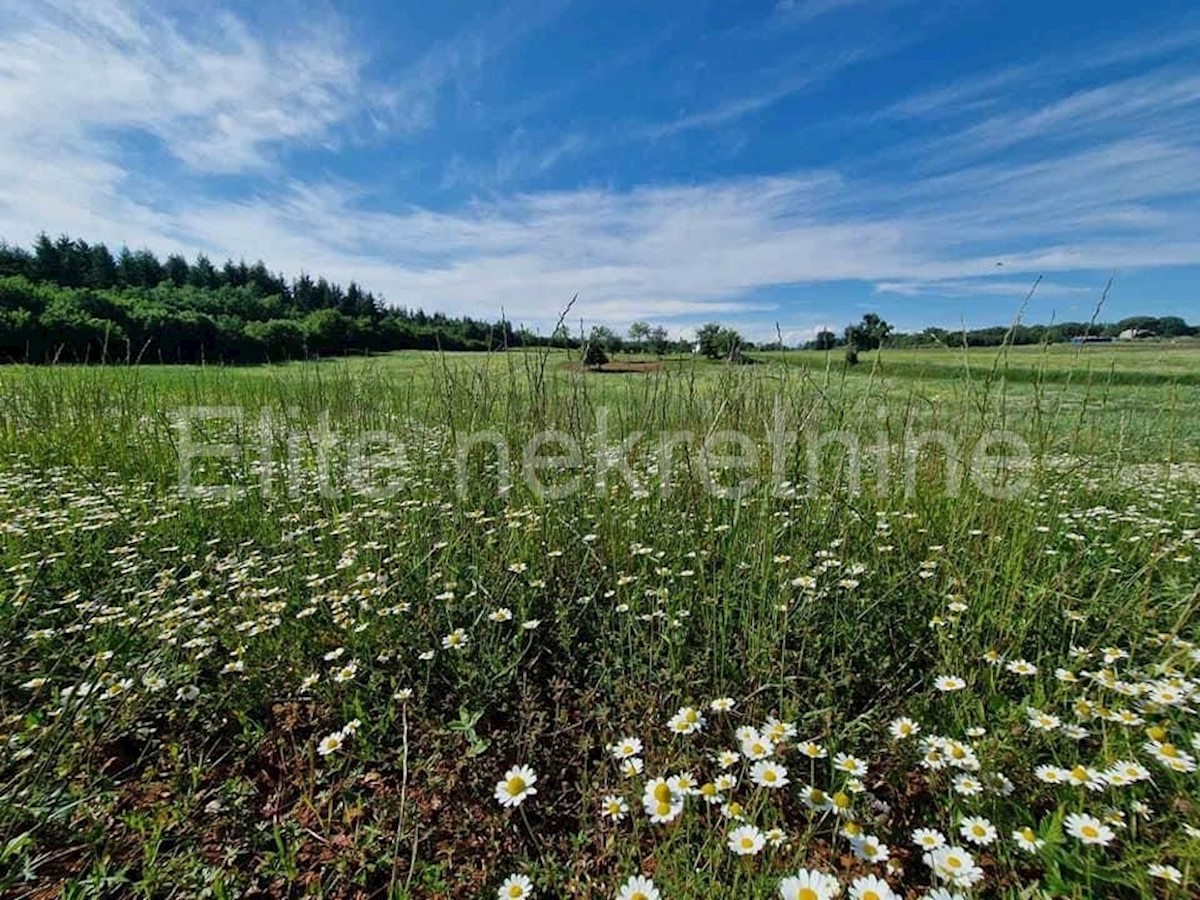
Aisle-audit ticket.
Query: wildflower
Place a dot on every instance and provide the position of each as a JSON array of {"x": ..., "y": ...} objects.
[
  {"x": 903, "y": 727},
  {"x": 809, "y": 884},
  {"x": 331, "y": 743},
  {"x": 632, "y": 767},
  {"x": 1082, "y": 776},
  {"x": 517, "y": 784},
  {"x": 778, "y": 731},
  {"x": 503, "y": 614},
  {"x": 688, "y": 720},
  {"x": 977, "y": 830},
  {"x": 746, "y": 840},
  {"x": 725, "y": 782},
  {"x": 812, "y": 750},
  {"x": 967, "y": 785},
  {"x": 869, "y": 887},
  {"x": 1170, "y": 756},
  {"x": 727, "y": 759},
  {"x": 815, "y": 799},
  {"x": 455, "y": 640},
  {"x": 625, "y": 748},
  {"x": 776, "y": 837},
  {"x": 757, "y": 746},
  {"x": 614, "y": 808},
  {"x": 928, "y": 838},
  {"x": 1166, "y": 873},
  {"x": 767, "y": 774},
  {"x": 721, "y": 704},
  {"x": 1042, "y": 721},
  {"x": 515, "y": 887},
  {"x": 684, "y": 784},
  {"x": 1027, "y": 840},
  {"x": 638, "y": 888},
  {"x": 844, "y": 762},
  {"x": 956, "y": 865},
  {"x": 947, "y": 683},
  {"x": 531, "y": 624},
  {"x": 733, "y": 810},
  {"x": 1021, "y": 667},
  {"x": 1088, "y": 829},
  {"x": 34, "y": 684},
  {"x": 1052, "y": 774},
  {"x": 346, "y": 672},
  {"x": 661, "y": 803},
  {"x": 870, "y": 849}
]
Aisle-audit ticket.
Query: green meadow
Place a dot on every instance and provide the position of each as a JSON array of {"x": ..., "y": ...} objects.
[{"x": 470, "y": 625}]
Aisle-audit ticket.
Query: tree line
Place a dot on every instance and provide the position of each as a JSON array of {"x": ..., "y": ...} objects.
[{"x": 67, "y": 300}]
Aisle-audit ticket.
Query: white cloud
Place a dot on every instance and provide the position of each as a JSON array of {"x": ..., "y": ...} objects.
[{"x": 225, "y": 99}]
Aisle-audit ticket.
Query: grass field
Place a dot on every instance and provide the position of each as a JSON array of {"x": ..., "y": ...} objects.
[{"x": 925, "y": 626}]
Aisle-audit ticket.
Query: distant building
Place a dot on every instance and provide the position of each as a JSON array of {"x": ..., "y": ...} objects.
[
  {"x": 1090, "y": 339},
  {"x": 1132, "y": 334}
]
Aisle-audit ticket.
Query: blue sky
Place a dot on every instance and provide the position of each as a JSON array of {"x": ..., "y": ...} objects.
[{"x": 754, "y": 162}]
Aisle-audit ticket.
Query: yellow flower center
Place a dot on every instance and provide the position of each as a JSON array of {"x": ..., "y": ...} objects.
[
  {"x": 747, "y": 843},
  {"x": 638, "y": 895},
  {"x": 870, "y": 895},
  {"x": 1080, "y": 773},
  {"x": 515, "y": 785},
  {"x": 953, "y": 862},
  {"x": 662, "y": 793},
  {"x": 841, "y": 801},
  {"x": 663, "y": 808},
  {"x": 769, "y": 775},
  {"x": 1090, "y": 831},
  {"x": 1168, "y": 750},
  {"x": 807, "y": 894},
  {"x": 515, "y": 891}
]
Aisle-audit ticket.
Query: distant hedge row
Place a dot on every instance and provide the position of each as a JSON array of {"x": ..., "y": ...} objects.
[{"x": 67, "y": 300}]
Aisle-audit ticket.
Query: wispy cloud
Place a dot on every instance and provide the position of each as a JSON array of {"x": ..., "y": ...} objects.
[{"x": 1092, "y": 197}]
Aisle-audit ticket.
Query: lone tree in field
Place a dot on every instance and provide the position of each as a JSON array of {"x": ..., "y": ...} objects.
[
  {"x": 717, "y": 342},
  {"x": 869, "y": 334}
]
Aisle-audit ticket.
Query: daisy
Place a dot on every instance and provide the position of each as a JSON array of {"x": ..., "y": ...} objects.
[
  {"x": 928, "y": 838},
  {"x": 503, "y": 614},
  {"x": 947, "y": 683},
  {"x": 455, "y": 640},
  {"x": 1027, "y": 840},
  {"x": 844, "y": 762},
  {"x": 977, "y": 830},
  {"x": 721, "y": 704},
  {"x": 870, "y": 849},
  {"x": 1042, "y": 721},
  {"x": 638, "y": 888},
  {"x": 1021, "y": 667},
  {"x": 632, "y": 767},
  {"x": 768, "y": 774},
  {"x": 331, "y": 743},
  {"x": 809, "y": 884},
  {"x": 1082, "y": 776},
  {"x": 515, "y": 887},
  {"x": 903, "y": 727},
  {"x": 660, "y": 802},
  {"x": 868, "y": 887},
  {"x": 1166, "y": 873},
  {"x": 726, "y": 781},
  {"x": 956, "y": 865},
  {"x": 688, "y": 720},
  {"x": 614, "y": 808},
  {"x": 1052, "y": 774},
  {"x": 625, "y": 748},
  {"x": 967, "y": 785},
  {"x": 517, "y": 785},
  {"x": 727, "y": 759},
  {"x": 778, "y": 731},
  {"x": 746, "y": 840},
  {"x": 1170, "y": 756},
  {"x": 1088, "y": 829},
  {"x": 812, "y": 750},
  {"x": 757, "y": 746},
  {"x": 815, "y": 799}
]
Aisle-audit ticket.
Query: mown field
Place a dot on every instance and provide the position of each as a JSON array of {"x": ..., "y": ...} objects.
[{"x": 921, "y": 627}]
